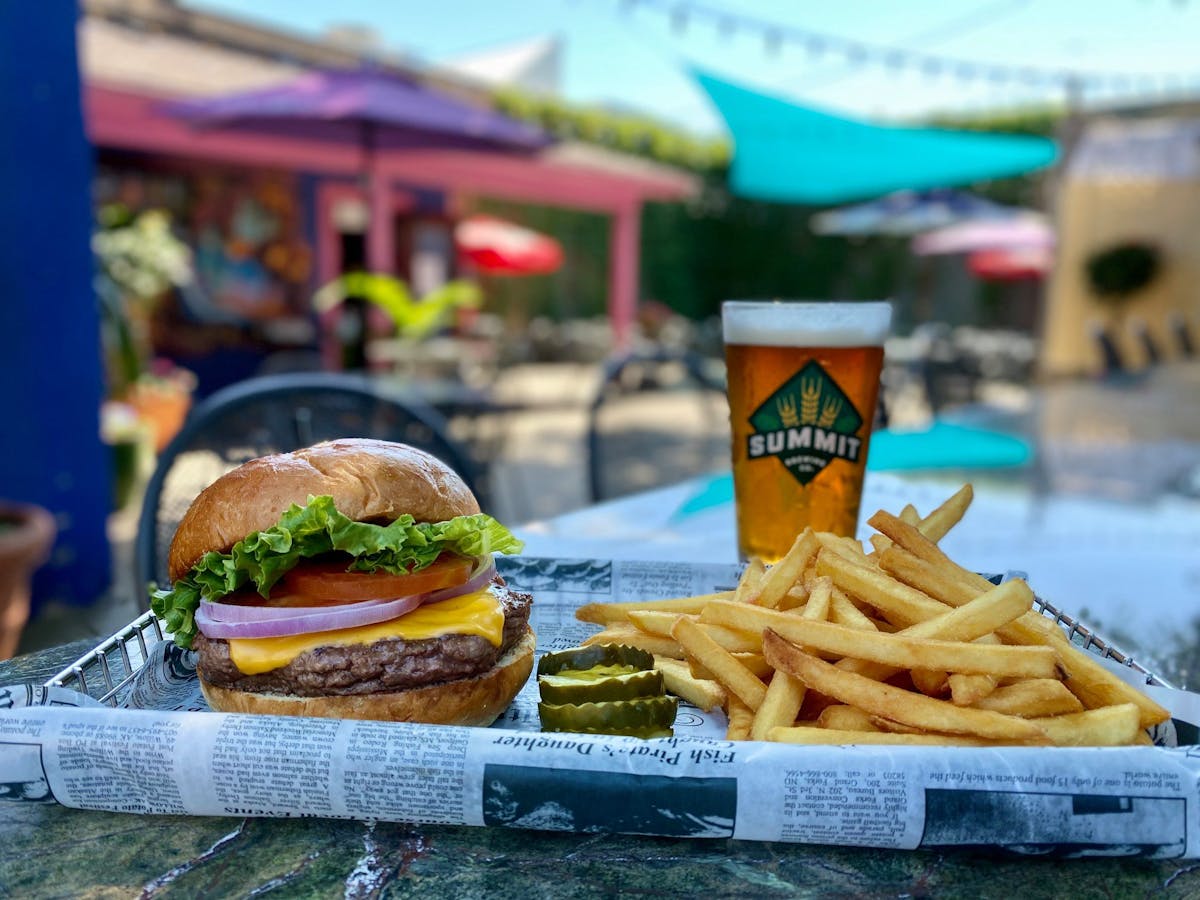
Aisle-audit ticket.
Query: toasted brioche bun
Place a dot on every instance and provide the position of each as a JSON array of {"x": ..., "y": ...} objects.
[
  {"x": 368, "y": 480},
  {"x": 467, "y": 701}
]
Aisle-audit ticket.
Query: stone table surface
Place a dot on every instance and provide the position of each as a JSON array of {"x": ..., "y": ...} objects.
[{"x": 52, "y": 851}]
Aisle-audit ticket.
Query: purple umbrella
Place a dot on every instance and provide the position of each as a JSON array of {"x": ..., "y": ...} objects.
[
  {"x": 380, "y": 109},
  {"x": 370, "y": 108}
]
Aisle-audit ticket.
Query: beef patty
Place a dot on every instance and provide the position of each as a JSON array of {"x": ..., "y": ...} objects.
[{"x": 392, "y": 664}]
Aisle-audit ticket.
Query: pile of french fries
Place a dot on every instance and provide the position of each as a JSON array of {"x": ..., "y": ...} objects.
[{"x": 838, "y": 644}]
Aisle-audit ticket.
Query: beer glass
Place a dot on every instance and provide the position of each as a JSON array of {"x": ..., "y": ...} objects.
[{"x": 803, "y": 383}]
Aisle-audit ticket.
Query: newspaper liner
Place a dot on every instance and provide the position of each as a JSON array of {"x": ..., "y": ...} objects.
[{"x": 163, "y": 752}]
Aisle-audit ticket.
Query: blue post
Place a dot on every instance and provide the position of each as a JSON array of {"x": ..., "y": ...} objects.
[{"x": 50, "y": 369}]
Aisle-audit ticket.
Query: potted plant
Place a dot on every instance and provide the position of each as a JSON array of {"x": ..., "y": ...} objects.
[{"x": 26, "y": 535}]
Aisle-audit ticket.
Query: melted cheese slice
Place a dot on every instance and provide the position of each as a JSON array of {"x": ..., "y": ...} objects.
[{"x": 479, "y": 614}]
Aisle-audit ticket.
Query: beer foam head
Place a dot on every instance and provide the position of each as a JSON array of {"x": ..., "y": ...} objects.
[{"x": 785, "y": 324}]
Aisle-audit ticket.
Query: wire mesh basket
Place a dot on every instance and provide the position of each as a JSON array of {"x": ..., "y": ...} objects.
[{"x": 105, "y": 671}]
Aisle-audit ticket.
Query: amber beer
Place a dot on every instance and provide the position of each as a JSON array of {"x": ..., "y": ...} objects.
[{"x": 803, "y": 383}]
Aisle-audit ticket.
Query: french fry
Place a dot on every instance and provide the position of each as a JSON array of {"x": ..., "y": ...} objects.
[
  {"x": 840, "y": 717},
  {"x": 847, "y": 548},
  {"x": 732, "y": 675},
  {"x": 780, "y": 706},
  {"x": 925, "y": 576},
  {"x": 1095, "y": 686},
  {"x": 802, "y": 734},
  {"x": 707, "y": 695},
  {"x": 938, "y": 523},
  {"x": 618, "y": 613},
  {"x": 894, "y": 703},
  {"x": 882, "y": 724},
  {"x": 748, "y": 585},
  {"x": 817, "y": 607},
  {"x": 741, "y": 717},
  {"x": 900, "y": 650},
  {"x": 968, "y": 690},
  {"x": 980, "y": 617},
  {"x": 758, "y": 666},
  {"x": 631, "y": 637},
  {"x": 1032, "y": 698},
  {"x": 842, "y": 611},
  {"x": 781, "y": 576},
  {"x": 1109, "y": 726},
  {"x": 931, "y": 682},
  {"x": 796, "y": 597},
  {"x": 898, "y": 602},
  {"x": 654, "y": 622}
]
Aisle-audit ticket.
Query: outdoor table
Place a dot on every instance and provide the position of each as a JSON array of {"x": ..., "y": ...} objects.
[{"x": 1086, "y": 557}]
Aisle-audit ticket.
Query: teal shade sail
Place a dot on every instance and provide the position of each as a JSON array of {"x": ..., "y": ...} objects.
[{"x": 795, "y": 154}]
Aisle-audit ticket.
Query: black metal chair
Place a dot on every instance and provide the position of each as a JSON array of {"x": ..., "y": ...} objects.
[
  {"x": 1181, "y": 334},
  {"x": 1112, "y": 361},
  {"x": 637, "y": 441},
  {"x": 275, "y": 414}
]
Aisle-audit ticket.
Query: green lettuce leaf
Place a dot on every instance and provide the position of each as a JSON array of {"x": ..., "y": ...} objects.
[{"x": 263, "y": 557}]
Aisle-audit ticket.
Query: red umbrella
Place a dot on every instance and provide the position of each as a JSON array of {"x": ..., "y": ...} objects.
[
  {"x": 1015, "y": 264},
  {"x": 497, "y": 247}
]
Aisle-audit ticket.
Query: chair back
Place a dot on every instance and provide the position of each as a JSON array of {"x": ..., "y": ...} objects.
[
  {"x": 657, "y": 417},
  {"x": 276, "y": 414}
]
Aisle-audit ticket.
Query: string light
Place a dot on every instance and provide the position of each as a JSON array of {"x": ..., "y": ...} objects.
[{"x": 774, "y": 35}]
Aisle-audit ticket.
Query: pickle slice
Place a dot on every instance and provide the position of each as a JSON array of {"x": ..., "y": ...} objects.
[
  {"x": 598, "y": 684},
  {"x": 582, "y": 658},
  {"x": 645, "y": 717}
]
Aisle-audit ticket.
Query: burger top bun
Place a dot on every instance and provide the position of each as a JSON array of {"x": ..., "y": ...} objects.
[{"x": 368, "y": 480}]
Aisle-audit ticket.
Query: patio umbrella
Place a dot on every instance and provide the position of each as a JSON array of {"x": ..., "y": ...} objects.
[
  {"x": 498, "y": 247},
  {"x": 1026, "y": 231},
  {"x": 1011, "y": 264},
  {"x": 908, "y": 212},
  {"x": 368, "y": 108}
]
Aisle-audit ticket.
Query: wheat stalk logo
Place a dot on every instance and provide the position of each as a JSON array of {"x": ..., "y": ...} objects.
[
  {"x": 810, "y": 401},
  {"x": 829, "y": 412},
  {"x": 786, "y": 407}
]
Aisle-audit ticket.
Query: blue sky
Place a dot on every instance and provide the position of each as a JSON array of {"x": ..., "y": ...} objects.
[{"x": 628, "y": 54}]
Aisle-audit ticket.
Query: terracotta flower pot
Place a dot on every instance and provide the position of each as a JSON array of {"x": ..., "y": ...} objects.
[{"x": 26, "y": 536}]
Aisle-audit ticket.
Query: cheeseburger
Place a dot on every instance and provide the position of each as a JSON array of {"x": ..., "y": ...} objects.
[{"x": 352, "y": 579}]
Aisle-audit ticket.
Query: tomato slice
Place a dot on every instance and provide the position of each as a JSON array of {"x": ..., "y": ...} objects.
[{"x": 327, "y": 583}]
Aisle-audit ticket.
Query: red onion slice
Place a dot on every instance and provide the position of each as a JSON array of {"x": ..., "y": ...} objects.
[
  {"x": 237, "y": 612},
  {"x": 328, "y": 619},
  {"x": 228, "y": 620}
]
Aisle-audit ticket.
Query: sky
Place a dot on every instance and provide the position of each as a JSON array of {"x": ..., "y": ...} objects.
[{"x": 629, "y": 54}]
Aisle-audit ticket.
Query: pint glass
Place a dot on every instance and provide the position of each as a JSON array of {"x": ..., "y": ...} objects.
[{"x": 803, "y": 382}]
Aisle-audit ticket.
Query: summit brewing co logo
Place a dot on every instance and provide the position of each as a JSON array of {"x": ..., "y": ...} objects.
[{"x": 807, "y": 423}]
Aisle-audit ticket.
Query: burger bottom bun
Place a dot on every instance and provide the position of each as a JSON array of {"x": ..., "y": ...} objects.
[{"x": 468, "y": 701}]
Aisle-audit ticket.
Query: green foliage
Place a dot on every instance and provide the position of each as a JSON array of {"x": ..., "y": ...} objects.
[
  {"x": 1042, "y": 121},
  {"x": 140, "y": 254},
  {"x": 1118, "y": 272},
  {"x": 627, "y": 133},
  {"x": 414, "y": 319}
]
